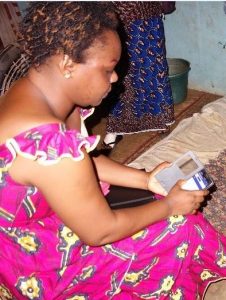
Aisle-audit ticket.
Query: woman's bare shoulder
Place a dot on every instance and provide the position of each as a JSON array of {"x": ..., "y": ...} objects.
[
  {"x": 14, "y": 125},
  {"x": 20, "y": 112}
]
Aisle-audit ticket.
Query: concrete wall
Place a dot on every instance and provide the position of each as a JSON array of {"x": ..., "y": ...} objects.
[
  {"x": 22, "y": 6},
  {"x": 196, "y": 31}
]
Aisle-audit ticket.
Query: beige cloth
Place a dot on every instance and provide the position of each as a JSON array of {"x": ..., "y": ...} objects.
[{"x": 204, "y": 133}]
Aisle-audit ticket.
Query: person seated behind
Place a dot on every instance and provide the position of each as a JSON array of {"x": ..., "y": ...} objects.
[{"x": 59, "y": 237}]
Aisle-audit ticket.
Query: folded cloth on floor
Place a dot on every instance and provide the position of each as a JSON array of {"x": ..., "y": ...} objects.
[{"x": 204, "y": 133}]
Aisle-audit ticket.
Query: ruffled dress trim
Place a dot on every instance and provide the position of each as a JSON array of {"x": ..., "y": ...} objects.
[
  {"x": 85, "y": 113},
  {"x": 49, "y": 143}
]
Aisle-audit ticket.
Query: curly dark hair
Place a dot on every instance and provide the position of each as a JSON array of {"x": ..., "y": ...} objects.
[{"x": 49, "y": 28}]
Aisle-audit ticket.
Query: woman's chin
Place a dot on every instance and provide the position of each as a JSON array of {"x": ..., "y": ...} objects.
[{"x": 98, "y": 102}]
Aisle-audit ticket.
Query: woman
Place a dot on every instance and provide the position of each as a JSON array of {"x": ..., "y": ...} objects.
[
  {"x": 59, "y": 238},
  {"x": 143, "y": 101}
]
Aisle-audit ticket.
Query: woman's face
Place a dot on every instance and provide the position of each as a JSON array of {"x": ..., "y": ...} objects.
[{"x": 93, "y": 78}]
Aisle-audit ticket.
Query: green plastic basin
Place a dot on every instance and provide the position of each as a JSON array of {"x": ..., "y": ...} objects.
[{"x": 178, "y": 76}]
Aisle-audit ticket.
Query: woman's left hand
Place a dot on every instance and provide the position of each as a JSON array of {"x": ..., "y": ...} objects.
[{"x": 153, "y": 184}]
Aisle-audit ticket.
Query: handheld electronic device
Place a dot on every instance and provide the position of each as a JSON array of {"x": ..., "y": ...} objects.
[{"x": 189, "y": 168}]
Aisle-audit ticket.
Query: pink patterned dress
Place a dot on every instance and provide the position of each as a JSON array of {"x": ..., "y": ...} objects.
[{"x": 41, "y": 258}]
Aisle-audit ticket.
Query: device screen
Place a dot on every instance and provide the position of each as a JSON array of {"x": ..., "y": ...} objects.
[{"x": 187, "y": 165}]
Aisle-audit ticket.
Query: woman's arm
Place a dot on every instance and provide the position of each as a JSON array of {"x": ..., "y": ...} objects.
[
  {"x": 121, "y": 175},
  {"x": 72, "y": 191},
  {"x": 115, "y": 173}
]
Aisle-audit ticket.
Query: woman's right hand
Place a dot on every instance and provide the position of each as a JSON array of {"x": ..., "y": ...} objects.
[{"x": 183, "y": 202}]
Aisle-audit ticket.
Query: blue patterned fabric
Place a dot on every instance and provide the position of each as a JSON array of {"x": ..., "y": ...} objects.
[{"x": 146, "y": 103}]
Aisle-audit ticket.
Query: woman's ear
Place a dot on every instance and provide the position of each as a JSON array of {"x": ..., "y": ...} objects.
[{"x": 66, "y": 66}]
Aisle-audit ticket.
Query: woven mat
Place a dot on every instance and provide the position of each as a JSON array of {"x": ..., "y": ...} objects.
[{"x": 216, "y": 205}]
